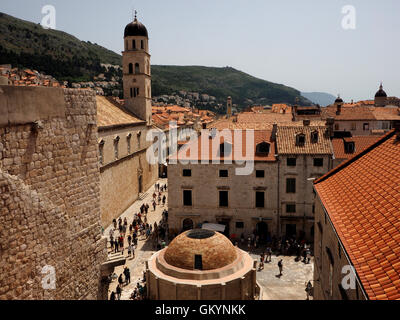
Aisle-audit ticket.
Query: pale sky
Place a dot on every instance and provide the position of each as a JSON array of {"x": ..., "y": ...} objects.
[{"x": 299, "y": 43}]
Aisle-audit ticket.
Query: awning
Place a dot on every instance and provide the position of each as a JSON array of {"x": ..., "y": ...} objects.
[{"x": 214, "y": 227}]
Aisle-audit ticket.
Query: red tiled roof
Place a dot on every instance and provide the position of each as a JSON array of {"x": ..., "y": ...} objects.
[
  {"x": 206, "y": 153},
  {"x": 362, "y": 199},
  {"x": 360, "y": 142},
  {"x": 286, "y": 140}
]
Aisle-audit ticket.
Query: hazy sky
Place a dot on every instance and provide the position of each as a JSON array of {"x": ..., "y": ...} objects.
[{"x": 299, "y": 43}]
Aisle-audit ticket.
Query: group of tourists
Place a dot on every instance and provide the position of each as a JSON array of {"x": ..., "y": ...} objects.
[{"x": 138, "y": 229}]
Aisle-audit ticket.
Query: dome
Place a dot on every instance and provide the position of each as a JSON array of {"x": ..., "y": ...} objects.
[
  {"x": 380, "y": 92},
  {"x": 216, "y": 250},
  {"x": 135, "y": 29}
]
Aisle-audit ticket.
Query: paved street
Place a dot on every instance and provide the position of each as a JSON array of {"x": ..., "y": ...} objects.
[
  {"x": 145, "y": 248},
  {"x": 290, "y": 286}
]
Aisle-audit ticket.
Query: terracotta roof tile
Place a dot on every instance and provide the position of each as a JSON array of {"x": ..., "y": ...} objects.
[
  {"x": 361, "y": 197},
  {"x": 109, "y": 114},
  {"x": 360, "y": 142}
]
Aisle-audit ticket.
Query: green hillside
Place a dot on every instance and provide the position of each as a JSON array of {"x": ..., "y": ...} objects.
[{"x": 28, "y": 45}]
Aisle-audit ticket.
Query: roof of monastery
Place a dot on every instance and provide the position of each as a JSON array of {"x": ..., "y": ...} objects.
[
  {"x": 110, "y": 114},
  {"x": 362, "y": 199},
  {"x": 216, "y": 250},
  {"x": 360, "y": 144},
  {"x": 236, "y": 148},
  {"x": 286, "y": 140},
  {"x": 362, "y": 112}
]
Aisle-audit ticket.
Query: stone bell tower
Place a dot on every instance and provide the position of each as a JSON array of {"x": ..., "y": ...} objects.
[
  {"x": 136, "y": 70},
  {"x": 229, "y": 107}
]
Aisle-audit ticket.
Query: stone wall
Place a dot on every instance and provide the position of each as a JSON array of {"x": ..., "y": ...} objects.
[
  {"x": 49, "y": 194},
  {"x": 325, "y": 241},
  {"x": 119, "y": 178}
]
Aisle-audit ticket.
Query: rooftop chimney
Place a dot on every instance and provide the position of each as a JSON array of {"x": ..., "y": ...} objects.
[{"x": 274, "y": 131}]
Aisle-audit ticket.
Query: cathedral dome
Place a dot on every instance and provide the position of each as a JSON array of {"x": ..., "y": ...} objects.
[
  {"x": 135, "y": 29},
  {"x": 380, "y": 92},
  {"x": 212, "y": 248}
]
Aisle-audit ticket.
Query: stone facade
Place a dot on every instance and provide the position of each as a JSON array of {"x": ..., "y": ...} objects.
[
  {"x": 329, "y": 259},
  {"x": 124, "y": 177},
  {"x": 241, "y": 215},
  {"x": 49, "y": 193}
]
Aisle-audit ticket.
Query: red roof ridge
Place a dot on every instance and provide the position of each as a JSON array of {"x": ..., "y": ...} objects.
[{"x": 356, "y": 157}]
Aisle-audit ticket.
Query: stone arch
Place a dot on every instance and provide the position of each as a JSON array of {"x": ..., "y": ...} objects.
[{"x": 187, "y": 224}]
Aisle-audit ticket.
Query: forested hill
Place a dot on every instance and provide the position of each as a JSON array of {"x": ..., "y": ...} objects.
[{"x": 26, "y": 44}]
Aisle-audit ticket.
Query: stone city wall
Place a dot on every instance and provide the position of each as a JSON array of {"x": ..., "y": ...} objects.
[{"x": 49, "y": 194}]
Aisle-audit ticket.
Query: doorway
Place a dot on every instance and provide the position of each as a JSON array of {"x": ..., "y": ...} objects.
[
  {"x": 187, "y": 224},
  {"x": 290, "y": 231},
  {"x": 226, "y": 223},
  {"x": 262, "y": 231},
  {"x": 140, "y": 184}
]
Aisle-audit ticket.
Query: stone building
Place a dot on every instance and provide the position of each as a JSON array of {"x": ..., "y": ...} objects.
[
  {"x": 304, "y": 153},
  {"x": 201, "y": 265},
  {"x": 125, "y": 172},
  {"x": 49, "y": 194},
  {"x": 203, "y": 190},
  {"x": 357, "y": 225}
]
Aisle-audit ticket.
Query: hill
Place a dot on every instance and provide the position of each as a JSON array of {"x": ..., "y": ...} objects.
[
  {"x": 321, "y": 98},
  {"x": 28, "y": 45}
]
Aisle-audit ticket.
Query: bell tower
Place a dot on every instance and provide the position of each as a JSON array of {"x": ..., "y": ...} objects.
[{"x": 136, "y": 70}]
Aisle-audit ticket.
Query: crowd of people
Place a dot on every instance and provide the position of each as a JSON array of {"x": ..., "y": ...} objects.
[{"x": 139, "y": 229}]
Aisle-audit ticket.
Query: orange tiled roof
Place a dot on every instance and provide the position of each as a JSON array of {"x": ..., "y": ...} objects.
[
  {"x": 349, "y": 113},
  {"x": 360, "y": 142},
  {"x": 286, "y": 140},
  {"x": 362, "y": 199},
  {"x": 109, "y": 114},
  {"x": 206, "y": 153}
]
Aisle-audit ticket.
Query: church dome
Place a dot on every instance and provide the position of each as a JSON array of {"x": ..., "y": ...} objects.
[
  {"x": 135, "y": 29},
  {"x": 380, "y": 92},
  {"x": 212, "y": 248}
]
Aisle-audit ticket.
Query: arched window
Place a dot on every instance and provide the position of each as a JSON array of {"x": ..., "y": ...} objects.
[
  {"x": 128, "y": 142},
  {"x": 116, "y": 143},
  {"x": 187, "y": 224},
  {"x": 137, "y": 70},
  {"x": 262, "y": 148},
  {"x": 314, "y": 136},
  {"x": 225, "y": 149},
  {"x": 101, "y": 152},
  {"x": 300, "y": 139},
  {"x": 130, "y": 68},
  {"x": 142, "y": 44}
]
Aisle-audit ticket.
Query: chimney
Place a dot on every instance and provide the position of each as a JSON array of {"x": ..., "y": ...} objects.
[
  {"x": 329, "y": 128},
  {"x": 306, "y": 122},
  {"x": 274, "y": 131}
]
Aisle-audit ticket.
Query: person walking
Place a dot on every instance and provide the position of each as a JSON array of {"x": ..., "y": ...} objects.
[
  {"x": 163, "y": 200},
  {"x": 116, "y": 246},
  {"x": 280, "y": 266},
  {"x": 119, "y": 291},
  {"x": 268, "y": 254},
  {"x": 112, "y": 295},
  {"x": 261, "y": 261},
  {"x": 154, "y": 205}
]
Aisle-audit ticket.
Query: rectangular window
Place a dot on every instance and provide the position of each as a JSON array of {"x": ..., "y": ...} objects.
[
  {"x": 223, "y": 173},
  {"x": 260, "y": 199},
  {"x": 290, "y": 185},
  {"x": 260, "y": 174},
  {"x": 239, "y": 225},
  {"x": 187, "y": 173},
  {"x": 223, "y": 198},
  {"x": 291, "y": 208},
  {"x": 291, "y": 162},
  {"x": 366, "y": 126},
  {"x": 142, "y": 44},
  {"x": 318, "y": 162},
  {"x": 187, "y": 198},
  {"x": 353, "y": 126},
  {"x": 133, "y": 44},
  {"x": 336, "y": 126}
]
